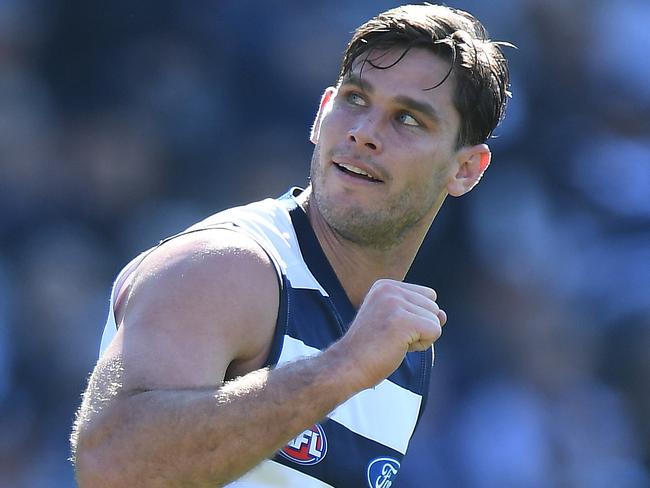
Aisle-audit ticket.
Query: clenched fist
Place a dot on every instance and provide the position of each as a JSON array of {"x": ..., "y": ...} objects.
[{"x": 394, "y": 318}]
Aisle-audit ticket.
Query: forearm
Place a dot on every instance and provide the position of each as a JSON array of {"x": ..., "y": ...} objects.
[{"x": 167, "y": 438}]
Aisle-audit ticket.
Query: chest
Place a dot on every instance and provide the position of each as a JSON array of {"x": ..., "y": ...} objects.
[{"x": 362, "y": 442}]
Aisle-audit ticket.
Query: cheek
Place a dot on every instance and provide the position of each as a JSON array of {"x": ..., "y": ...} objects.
[
  {"x": 336, "y": 123},
  {"x": 429, "y": 173}
]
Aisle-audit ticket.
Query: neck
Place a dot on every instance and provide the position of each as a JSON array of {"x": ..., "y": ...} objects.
[{"x": 358, "y": 267}]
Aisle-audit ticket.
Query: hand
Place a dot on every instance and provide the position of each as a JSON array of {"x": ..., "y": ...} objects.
[{"x": 394, "y": 318}]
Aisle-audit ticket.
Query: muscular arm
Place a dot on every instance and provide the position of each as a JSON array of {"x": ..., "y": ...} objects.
[
  {"x": 201, "y": 437},
  {"x": 157, "y": 412}
]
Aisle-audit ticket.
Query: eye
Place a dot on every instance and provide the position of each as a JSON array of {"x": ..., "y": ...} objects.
[
  {"x": 407, "y": 119},
  {"x": 356, "y": 99}
]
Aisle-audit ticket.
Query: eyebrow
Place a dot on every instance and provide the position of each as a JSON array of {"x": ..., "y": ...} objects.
[
  {"x": 353, "y": 79},
  {"x": 403, "y": 100}
]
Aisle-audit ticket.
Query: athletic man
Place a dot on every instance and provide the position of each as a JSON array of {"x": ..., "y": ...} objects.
[{"x": 275, "y": 345}]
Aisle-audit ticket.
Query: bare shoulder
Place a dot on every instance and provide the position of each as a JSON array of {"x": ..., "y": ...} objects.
[{"x": 196, "y": 305}]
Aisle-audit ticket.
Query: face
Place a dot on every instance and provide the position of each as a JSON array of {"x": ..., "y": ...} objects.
[{"x": 385, "y": 147}]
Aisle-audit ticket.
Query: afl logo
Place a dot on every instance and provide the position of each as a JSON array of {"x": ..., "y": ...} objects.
[
  {"x": 382, "y": 472},
  {"x": 308, "y": 448}
]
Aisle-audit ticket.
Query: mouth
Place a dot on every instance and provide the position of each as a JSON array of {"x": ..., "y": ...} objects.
[{"x": 356, "y": 172}]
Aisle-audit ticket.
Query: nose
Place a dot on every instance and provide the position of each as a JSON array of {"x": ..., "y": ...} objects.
[{"x": 365, "y": 134}]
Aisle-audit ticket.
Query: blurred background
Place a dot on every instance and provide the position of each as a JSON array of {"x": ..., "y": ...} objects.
[{"x": 122, "y": 122}]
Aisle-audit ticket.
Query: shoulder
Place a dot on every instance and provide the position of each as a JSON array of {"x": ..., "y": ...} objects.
[
  {"x": 208, "y": 297},
  {"x": 208, "y": 263}
]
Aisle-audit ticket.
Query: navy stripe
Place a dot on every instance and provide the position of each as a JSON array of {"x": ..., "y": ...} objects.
[
  {"x": 427, "y": 358},
  {"x": 348, "y": 456},
  {"x": 312, "y": 321},
  {"x": 280, "y": 325},
  {"x": 319, "y": 266}
]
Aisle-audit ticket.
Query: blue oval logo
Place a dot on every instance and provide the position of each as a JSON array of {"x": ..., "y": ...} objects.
[{"x": 382, "y": 472}]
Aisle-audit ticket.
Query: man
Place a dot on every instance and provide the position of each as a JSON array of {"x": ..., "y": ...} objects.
[{"x": 275, "y": 345}]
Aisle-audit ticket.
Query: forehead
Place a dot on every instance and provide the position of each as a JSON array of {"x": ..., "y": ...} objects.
[
  {"x": 418, "y": 68},
  {"x": 413, "y": 76}
]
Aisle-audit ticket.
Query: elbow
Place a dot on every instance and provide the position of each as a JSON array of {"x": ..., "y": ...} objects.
[
  {"x": 92, "y": 462},
  {"x": 89, "y": 470}
]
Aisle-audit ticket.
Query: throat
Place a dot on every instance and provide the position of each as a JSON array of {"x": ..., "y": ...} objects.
[
  {"x": 357, "y": 266},
  {"x": 358, "y": 272}
]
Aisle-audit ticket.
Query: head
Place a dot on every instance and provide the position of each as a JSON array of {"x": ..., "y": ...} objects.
[
  {"x": 477, "y": 66},
  {"x": 420, "y": 90}
]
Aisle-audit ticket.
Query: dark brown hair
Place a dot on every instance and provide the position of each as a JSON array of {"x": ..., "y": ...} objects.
[{"x": 477, "y": 64}]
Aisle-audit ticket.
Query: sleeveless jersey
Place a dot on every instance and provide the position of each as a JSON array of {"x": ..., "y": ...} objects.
[{"x": 362, "y": 442}]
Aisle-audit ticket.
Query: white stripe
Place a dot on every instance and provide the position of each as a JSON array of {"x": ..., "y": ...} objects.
[
  {"x": 110, "y": 329},
  {"x": 269, "y": 474},
  {"x": 386, "y": 414},
  {"x": 270, "y": 223}
]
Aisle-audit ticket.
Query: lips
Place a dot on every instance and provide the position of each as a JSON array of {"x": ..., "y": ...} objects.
[{"x": 358, "y": 170}]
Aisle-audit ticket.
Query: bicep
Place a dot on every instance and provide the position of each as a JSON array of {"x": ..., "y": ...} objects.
[{"x": 193, "y": 308}]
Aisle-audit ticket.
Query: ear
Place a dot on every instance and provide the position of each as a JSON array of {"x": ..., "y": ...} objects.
[
  {"x": 472, "y": 162},
  {"x": 323, "y": 108}
]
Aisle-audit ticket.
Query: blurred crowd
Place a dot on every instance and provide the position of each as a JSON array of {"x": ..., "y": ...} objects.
[{"x": 123, "y": 122}]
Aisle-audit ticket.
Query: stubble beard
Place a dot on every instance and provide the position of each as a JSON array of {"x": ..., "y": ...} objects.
[{"x": 380, "y": 228}]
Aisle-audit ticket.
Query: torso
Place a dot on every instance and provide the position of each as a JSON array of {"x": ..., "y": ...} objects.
[{"x": 362, "y": 442}]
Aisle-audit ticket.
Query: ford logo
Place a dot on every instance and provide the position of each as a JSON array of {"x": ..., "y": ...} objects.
[{"x": 382, "y": 472}]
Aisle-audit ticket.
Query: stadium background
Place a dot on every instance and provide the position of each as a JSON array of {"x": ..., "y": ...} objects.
[{"x": 122, "y": 122}]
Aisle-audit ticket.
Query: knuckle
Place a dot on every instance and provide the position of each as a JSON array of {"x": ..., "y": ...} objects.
[
  {"x": 382, "y": 285},
  {"x": 437, "y": 328},
  {"x": 393, "y": 301},
  {"x": 442, "y": 316},
  {"x": 432, "y": 294},
  {"x": 437, "y": 333}
]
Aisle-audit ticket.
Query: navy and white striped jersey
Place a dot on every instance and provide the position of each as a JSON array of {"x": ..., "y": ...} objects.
[{"x": 362, "y": 442}]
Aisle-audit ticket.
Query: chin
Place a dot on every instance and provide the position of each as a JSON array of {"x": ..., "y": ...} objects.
[{"x": 369, "y": 226}]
